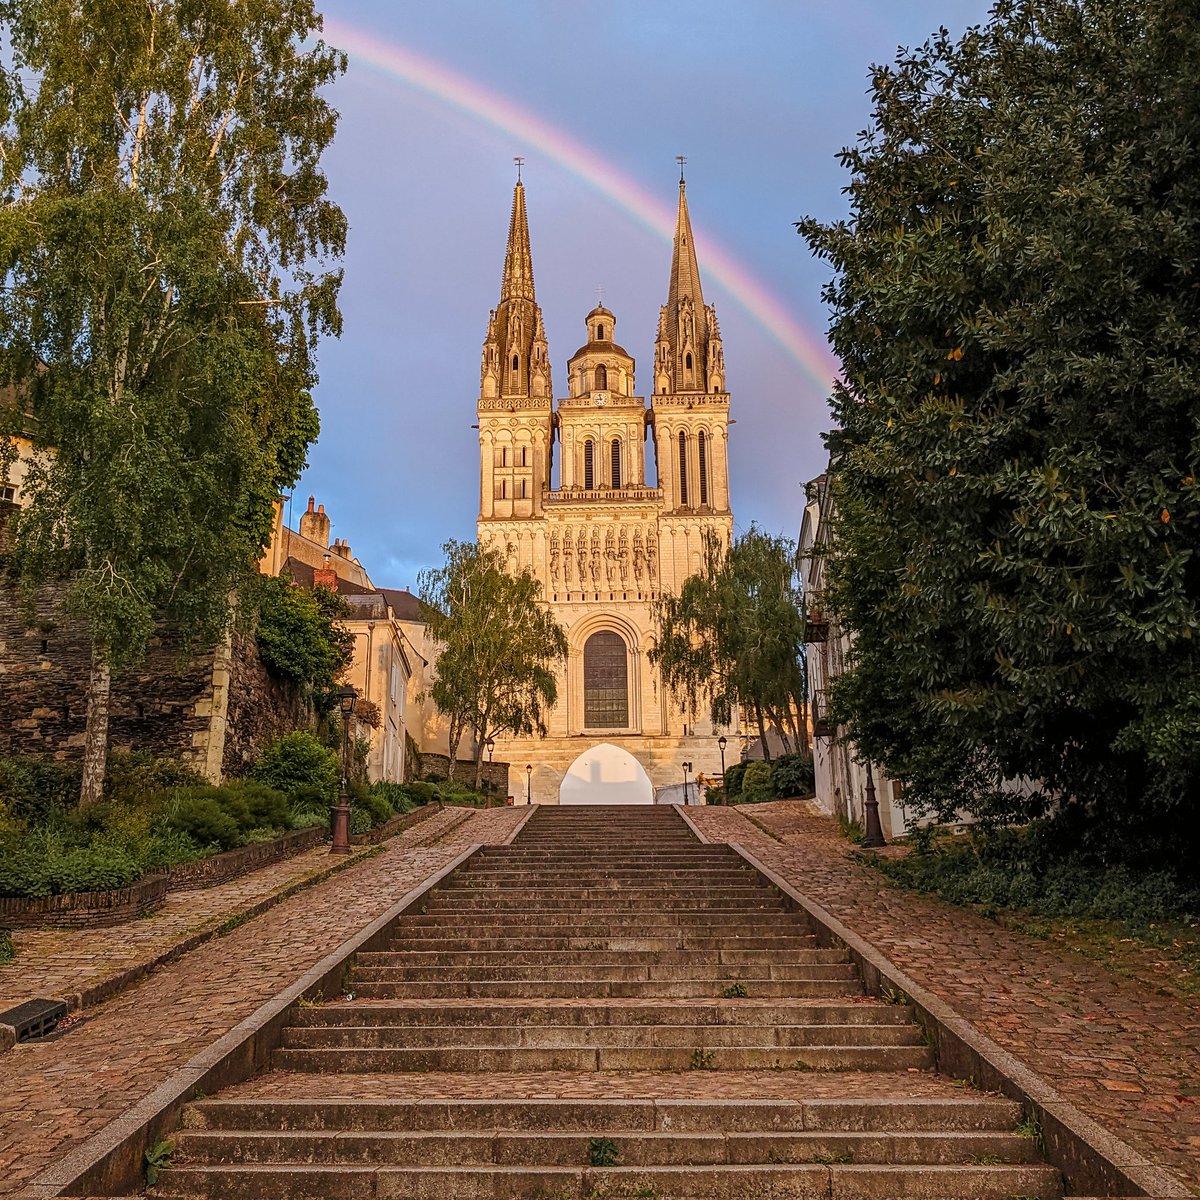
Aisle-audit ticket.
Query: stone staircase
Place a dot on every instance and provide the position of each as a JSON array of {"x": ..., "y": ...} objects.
[{"x": 605, "y": 1008}]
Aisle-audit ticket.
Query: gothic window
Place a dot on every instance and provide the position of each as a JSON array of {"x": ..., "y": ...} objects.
[
  {"x": 589, "y": 464},
  {"x": 683, "y": 479},
  {"x": 616, "y": 462},
  {"x": 702, "y": 448},
  {"x": 687, "y": 362},
  {"x": 601, "y": 377},
  {"x": 517, "y": 363},
  {"x": 605, "y": 682}
]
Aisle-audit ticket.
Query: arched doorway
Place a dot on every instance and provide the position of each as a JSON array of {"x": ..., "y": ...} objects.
[{"x": 606, "y": 774}]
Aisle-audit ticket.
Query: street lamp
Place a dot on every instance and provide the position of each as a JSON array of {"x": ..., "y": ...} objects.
[
  {"x": 529, "y": 784},
  {"x": 491, "y": 745},
  {"x": 722, "y": 741},
  {"x": 687, "y": 766},
  {"x": 874, "y": 836},
  {"x": 341, "y": 814}
]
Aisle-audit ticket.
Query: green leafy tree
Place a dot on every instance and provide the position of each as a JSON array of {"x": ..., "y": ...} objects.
[
  {"x": 300, "y": 635},
  {"x": 1016, "y": 307},
  {"x": 734, "y": 636},
  {"x": 165, "y": 237},
  {"x": 497, "y": 647}
]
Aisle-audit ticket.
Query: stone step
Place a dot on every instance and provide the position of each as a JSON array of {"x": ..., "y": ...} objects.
[
  {"x": 570, "y": 1149},
  {"x": 591, "y": 1057},
  {"x": 600, "y": 906},
  {"x": 712, "y": 1013},
  {"x": 820, "y": 1182},
  {"x": 434, "y": 940},
  {"x": 555, "y": 881},
  {"x": 547, "y": 1036},
  {"x": 586, "y": 968},
  {"x": 656, "y": 989},
  {"x": 965, "y": 1112},
  {"x": 708, "y": 924},
  {"x": 488, "y": 958}
]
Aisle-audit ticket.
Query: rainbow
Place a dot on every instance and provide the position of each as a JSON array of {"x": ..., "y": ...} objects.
[{"x": 435, "y": 79}]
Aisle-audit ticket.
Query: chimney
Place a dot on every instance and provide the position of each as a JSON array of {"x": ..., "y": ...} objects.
[
  {"x": 315, "y": 525},
  {"x": 325, "y": 575}
]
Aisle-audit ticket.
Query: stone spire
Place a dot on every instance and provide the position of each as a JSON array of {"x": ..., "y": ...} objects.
[
  {"x": 688, "y": 337},
  {"x": 515, "y": 358}
]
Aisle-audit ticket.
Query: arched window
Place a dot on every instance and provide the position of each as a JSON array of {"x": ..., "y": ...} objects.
[
  {"x": 504, "y": 489},
  {"x": 517, "y": 363},
  {"x": 589, "y": 464},
  {"x": 683, "y": 479},
  {"x": 504, "y": 457},
  {"x": 616, "y": 462},
  {"x": 702, "y": 449},
  {"x": 601, "y": 377},
  {"x": 687, "y": 362},
  {"x": 522, "y": 489},
  {"x": 605, "y": 682},
  {"x": 524, "y": 451},
  {"x": 599, "y": 332}
]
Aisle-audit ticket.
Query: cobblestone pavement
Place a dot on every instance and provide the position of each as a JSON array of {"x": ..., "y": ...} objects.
[
  {"x": 56, "y": 1093},
  {"x": 1123, "y": 1053}
]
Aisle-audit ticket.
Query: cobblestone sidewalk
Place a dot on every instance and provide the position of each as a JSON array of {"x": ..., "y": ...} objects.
[
  {"x": 1124, "y": 1054},
  {"x": 85, "y": 966},
  {"x": 57, "y": 1093}
]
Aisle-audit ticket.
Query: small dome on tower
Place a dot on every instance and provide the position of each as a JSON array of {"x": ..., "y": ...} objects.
[{"x": 600, "y": 322}]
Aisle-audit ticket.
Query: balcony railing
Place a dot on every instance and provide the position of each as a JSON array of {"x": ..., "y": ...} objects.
[
  {"x": 816, "y": 627},
  {"x": 822, "y": 726},
  {"x": 621, "y": 495}
]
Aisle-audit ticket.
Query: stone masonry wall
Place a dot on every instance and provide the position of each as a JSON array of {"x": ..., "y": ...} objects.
[
  {"x": 215, "y": 709},
  {"x": 464, "y": 770}
]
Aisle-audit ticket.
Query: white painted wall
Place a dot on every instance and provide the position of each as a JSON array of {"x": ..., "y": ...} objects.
[{"x": 606, "y": 774}]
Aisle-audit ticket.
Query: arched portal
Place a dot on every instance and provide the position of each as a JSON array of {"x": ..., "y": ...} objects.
[{"x": 606, "y": 774}]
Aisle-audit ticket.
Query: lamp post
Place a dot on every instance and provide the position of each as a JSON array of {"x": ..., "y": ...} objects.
[
  {"x": 491, "y": 745},
  {"x": 687, "y": 766},
  {"x": 874, "y": 835},
  {"x": 723, "y": 741},
  {"x": 341, "y": 814},
  {"x": 529, "y": 784}
]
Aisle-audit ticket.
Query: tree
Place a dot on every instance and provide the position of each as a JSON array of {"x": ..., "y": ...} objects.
[
  {"x": 497, "y": 647},
  {"x": 300, "y": 635},
  {"x": 1016, "y": 306},
  {"x": 734, "y": 635},
  {"x": 165, "y": 235}
]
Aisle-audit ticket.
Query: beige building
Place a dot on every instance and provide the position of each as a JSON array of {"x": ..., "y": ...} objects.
[{"x": 604, "y": 540}]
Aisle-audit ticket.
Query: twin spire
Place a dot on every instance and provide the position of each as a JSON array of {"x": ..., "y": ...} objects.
[{"x": 688, "y": 355}]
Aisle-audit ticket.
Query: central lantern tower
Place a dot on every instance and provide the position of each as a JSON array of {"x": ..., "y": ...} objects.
[{"x": 604, "y": 542}]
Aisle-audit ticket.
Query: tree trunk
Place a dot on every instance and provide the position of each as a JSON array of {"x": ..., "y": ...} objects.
[
  {"x": 95, "y": 737},
  {"x": 479, "y": 769},
  {"x": 762, "y": 733}
]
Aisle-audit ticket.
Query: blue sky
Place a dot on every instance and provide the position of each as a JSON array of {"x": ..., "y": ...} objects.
[{"x": 759, "y": 94}]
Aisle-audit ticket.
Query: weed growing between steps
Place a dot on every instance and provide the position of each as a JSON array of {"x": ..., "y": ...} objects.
[{"x": 602, "y": 1152}]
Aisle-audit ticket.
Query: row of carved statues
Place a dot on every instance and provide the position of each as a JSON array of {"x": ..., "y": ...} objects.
[{"x": 616, "y": 558}]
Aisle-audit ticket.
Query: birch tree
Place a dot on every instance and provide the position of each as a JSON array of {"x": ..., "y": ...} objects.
[{"x": 167, "y": 247}]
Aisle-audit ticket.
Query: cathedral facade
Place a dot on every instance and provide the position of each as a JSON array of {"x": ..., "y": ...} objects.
[{"x": 603, "y": 541}]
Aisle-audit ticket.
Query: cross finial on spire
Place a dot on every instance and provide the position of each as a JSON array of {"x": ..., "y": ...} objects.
[
  {"x": 681, "y": 160},
  {"x": 520, "y": 163},
  {"x": 600, "y": 295}
]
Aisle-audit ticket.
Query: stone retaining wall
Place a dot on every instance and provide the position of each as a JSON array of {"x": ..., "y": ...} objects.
[
  {"x": 81, "y": 909},
  {"x": 188, "y": 877},
  {"x": 464, "y": 771}
]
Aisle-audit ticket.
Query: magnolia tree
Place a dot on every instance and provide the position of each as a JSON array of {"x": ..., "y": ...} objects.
[
  {"x": 1015, "y": 303},
  {"x": 166, "y": 246},
  {"x": 498, "y": 647}
]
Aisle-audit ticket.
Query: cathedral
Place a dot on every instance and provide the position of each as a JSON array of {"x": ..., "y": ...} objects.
[{"x": 603, "y": 541}]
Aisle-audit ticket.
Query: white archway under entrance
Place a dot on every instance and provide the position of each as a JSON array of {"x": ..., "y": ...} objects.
[{"x": 606, "y": 774}]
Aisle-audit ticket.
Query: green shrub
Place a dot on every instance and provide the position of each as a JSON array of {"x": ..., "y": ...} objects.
[
  {"x": 792, "y": 775},
  {"x": 36, "y": 791},
  {"x": 298, "y": 761},
  {"x": 31, "y": 872},
  {"x": 265, "y": 808},
  {"x": 360, "y": 820},
  {"x": 420, "y": 793},
  {"x": 362, "y": 798},
  {"x": 132, "y": 775},
  {"x": 733, "y": 780},
  {"x": 299, "y": 633},
  {"x": 756, "y": 783},
  {"x": 310, "y": 819},
  {"x": 7, "y": 949},
  {"x": 199, "y": 814},
  {"x": 396, "y": 794}
]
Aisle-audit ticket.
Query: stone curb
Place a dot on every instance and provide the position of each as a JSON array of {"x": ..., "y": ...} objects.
[
  {"x": 512, "y": 837},
  {"x": 1093, "y": 1161},
  {"x": 110, "y": 1161},
  {"x": 110, "y": 986}
]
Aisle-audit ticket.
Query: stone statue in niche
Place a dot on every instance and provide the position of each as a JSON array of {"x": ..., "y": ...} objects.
[
  {"x": 554, "y": 555},
  {"x": 623, "y": 557},
  {"x": 651, "y": 557},
  {"x": 581, "y": 556},
  {"x": 610, "y": 556},
  {"x": 596, "y": 556},
  {"x": 639, "y": 556}
]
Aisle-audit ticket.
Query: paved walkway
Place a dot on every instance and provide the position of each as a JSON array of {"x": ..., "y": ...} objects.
[
  {"x": 57, "y": 1093},
  {"x": 1123, "y": 1053}
]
